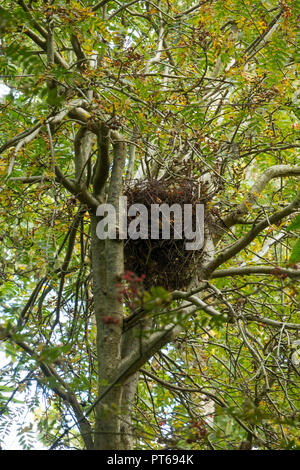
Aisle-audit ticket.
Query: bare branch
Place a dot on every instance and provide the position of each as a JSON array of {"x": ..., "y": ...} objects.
[
  {"x": 196, "y": 389},
  {"x": 254, "y": 270},
  {"x": 197, "y": 302},
  {"x": 274, "y": 323}
]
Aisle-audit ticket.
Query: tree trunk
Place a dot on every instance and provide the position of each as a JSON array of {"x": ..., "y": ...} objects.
[{"x": 107, "y": 269}]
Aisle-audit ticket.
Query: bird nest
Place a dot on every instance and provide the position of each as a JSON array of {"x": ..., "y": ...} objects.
[{"x": 163, "y": 262}]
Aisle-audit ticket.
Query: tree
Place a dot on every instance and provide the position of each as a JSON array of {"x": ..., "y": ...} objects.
[{"x": 108, "y": 98}]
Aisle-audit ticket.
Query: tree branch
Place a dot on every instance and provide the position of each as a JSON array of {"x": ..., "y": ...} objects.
[
  {"x": 196, "y": 389},
  {"x": 102, "y": 164},
  {"x": 133, "y": 362},
  {"x": 26, "y": 136},
  {"x": 197, "y": 302},
  {"x": 37, "y": 26},
  {"x": 275, "y": 171},
  {"x": 253, "y": 270},
  {"x": 44, "y": 45},
  {"x": 66, "y": 395},
  {"x": 99, "y": 5},
  {"x": 123, "y": 7},
  {"x": 78, "y": 50},
  {"x": 274, "y": 323},
  {"x": 78, "y": 189},
  {"x": 243, "y": 242}
]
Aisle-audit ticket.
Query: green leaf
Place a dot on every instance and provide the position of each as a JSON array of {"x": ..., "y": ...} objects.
[
  {"x": 295, "y": 256},
  {"x": 295, "y": 224},
  {"x": 158, "y": 297}
]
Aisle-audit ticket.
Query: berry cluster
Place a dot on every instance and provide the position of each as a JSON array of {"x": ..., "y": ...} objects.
[
  {"x": 287, "y": 8},
  {"x": 198, "y": 430}
]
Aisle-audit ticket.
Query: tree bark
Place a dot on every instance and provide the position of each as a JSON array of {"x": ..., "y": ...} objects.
[{"x": 107, "y": 268}]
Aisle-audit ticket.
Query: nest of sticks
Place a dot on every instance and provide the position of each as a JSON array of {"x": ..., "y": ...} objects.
[{"x": 164, "y": 262}]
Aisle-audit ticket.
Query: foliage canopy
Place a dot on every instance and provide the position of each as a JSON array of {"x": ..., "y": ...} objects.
[{"x": 104, "y": 92}]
